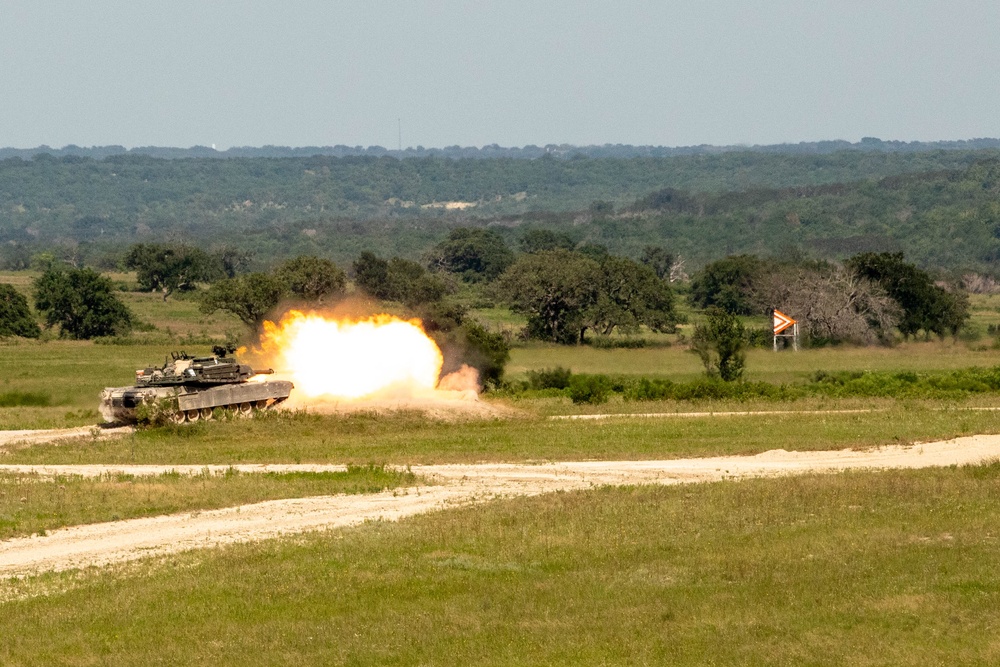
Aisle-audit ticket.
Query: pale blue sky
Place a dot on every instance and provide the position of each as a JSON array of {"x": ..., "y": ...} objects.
[{"x": 312, "y": 72}]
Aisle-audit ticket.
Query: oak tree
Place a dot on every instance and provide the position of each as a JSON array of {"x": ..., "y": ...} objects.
[{"x": 81, "y": 302}]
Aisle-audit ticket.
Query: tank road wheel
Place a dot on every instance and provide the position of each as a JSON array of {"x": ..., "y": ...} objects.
[
  {"x": 261, "y": 405},
  {"x": 192, "y": 415},
  {"x": 246, "y": 409},
  {"x": 177, "y": 417},
  {"x": 206, "y": 413}
]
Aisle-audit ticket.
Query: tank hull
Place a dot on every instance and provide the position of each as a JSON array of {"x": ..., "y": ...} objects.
[{"x": 189, "y": 403}]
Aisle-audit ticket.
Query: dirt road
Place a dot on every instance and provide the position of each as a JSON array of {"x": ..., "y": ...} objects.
[
  {"x": 454, "y": 485},
  {"x": 16, "y": 439}
]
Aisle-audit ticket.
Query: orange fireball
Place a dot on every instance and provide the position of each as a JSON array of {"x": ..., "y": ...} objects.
[{"x": 349, "y": 359}]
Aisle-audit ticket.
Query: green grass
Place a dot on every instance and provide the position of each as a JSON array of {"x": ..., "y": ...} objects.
[
  {"x": 499, "y": 317},
  {"x": 180, "y": 315},
  {"x": 410, "y": 438},
  {"x": 895, "y": 567},
  {"x": 32, "y": 504},
  {"x": 858, "y": 568},
  {"x": 36, "y": 399},
  {"x": 985, "y": 310},
  {"x": 71, "y": 373}
]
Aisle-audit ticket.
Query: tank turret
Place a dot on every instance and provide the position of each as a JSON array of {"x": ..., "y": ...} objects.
[{"x": 185, "y": 369}]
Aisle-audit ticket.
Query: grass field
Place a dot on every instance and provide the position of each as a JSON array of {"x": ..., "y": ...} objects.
[
  {"x": 862, "y": 568},
  {"x": 179, "y": 315},
  {"x": 71, "y": 374},
  {"x": 410, "y": 438}
]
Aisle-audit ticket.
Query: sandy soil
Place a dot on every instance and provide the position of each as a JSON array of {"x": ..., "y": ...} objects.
[
  {"x": 455, "y": 485},
  {"x": 14, "y": 439}
]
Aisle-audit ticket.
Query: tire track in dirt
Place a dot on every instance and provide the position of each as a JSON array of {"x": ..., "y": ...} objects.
[
  {"x": 721, "y": 413},
  {"x": 454, "y": 486}
]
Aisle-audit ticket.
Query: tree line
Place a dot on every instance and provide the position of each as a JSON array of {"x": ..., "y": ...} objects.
[
  {"x": 565, "y": 290},
  {"x": 492, "y": 151},
  {"x": 568, "y": 292}
]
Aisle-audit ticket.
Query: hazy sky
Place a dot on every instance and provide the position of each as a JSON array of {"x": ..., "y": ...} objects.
[{"x": 325, "y": 72}]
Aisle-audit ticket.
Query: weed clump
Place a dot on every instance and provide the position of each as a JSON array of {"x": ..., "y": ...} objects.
[{"x": 155, "y": 413}]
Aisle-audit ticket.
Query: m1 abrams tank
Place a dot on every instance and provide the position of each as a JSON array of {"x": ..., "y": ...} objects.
[{"x": 190, "y": 388}]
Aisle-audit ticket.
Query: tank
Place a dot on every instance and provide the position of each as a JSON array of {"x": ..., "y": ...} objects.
[{"x": 191, "y": 388}]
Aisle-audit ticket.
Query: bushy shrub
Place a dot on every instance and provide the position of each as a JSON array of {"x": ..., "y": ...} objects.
[
  {"x": 757, "y": 337},
  {"x": 589, "y": 388},
  {"x": 621, "y": 343},
  {"x": 970, "y": 333},
  {"x": 581, "y": 388},
  {"x": 718, "y": 389},
  {"x": 721, "y": 344},
  {"x": 906, "y": 384},
  {"x": 646, "y": 389},
  {"x": 549, "y": 378}
]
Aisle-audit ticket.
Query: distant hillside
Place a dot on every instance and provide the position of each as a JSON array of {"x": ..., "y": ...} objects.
[
  {"x": 941, "y": 207},
  {"x": 565, "y": 151},
  {"x": 948, "y": 220}
]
